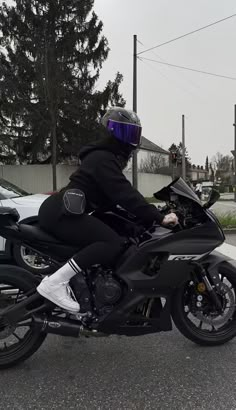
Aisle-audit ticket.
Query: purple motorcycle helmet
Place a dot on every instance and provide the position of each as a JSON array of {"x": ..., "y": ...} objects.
[{"x": 124, "y": 125}]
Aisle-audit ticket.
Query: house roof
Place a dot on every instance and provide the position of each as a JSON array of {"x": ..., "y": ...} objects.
[{"x": 148, "y": 145}]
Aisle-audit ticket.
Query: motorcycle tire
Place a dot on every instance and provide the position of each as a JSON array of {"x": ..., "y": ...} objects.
[{"x": 16, "y": 281}]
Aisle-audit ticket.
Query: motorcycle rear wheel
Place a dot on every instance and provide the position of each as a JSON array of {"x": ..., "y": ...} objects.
[
  {"x": 17, "y": 342},
  {"x": 198, "y": 330}
]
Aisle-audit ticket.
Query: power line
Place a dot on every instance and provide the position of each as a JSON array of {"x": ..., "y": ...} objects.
[
  {"x": 140, "y": 42},
  {"x": 158, "y": 56},
  {"x": 187, "y": 34},
  {"x": 169, "y": 79},
  {"x": 189, "y": 69}
]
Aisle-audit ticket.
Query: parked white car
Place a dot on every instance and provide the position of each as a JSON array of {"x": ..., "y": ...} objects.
[{"x": 28, "y": 206}]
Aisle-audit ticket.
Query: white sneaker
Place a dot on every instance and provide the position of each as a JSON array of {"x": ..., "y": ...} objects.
[{"x": 60, "y": 294}]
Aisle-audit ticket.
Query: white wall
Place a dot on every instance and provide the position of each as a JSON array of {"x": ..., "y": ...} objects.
[
  {"x": 38, "y": 178},
  {"x": 148, "y": 184}
]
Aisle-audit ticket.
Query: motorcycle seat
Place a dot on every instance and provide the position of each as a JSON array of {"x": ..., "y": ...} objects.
[{"x": 35, "y": 233}]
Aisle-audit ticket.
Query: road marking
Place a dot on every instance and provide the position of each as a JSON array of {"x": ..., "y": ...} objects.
[{"x": 227, "y": 250}]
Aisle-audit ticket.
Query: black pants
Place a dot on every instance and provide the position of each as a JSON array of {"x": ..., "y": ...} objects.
[{"x": 97, "y": 242}]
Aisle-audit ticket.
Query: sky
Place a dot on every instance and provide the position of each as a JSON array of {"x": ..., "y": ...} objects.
[{"x": 166, "y": 93}]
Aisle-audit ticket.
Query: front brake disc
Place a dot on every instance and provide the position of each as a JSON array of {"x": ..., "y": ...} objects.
[{"x": 228, "y": 310}]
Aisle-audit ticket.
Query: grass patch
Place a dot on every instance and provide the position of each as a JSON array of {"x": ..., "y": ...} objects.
[
  {"x": 152, "y": 200},
  {"x": 227, "y": 220}
]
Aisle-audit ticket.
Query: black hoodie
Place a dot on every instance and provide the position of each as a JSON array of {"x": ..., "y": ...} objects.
[{"x": 101, "y": 178}]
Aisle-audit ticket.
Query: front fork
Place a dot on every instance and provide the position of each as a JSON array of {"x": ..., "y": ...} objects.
[{"x": 199, "y": 269}]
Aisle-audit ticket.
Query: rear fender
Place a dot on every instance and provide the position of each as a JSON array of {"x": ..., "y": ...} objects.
[
  {"x": 8, "y": 249},
  {"x": 8, "y": 253}
]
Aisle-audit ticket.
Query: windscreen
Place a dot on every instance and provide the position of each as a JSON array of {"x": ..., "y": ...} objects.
[{"x": 179, "y": 187}]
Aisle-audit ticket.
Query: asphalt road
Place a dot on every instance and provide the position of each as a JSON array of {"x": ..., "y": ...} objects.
[
  {"x": 231, "y": 239},
  {"x": 163, "y": 371}
]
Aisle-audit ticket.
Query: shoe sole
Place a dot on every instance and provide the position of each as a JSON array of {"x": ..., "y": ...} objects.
[{"x": 48, "y": 297}]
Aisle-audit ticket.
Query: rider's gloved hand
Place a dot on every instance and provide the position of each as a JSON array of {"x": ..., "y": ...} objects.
[{"x": 170, "y": 219}]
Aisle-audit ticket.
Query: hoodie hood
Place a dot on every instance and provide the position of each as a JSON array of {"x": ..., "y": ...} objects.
[
  {"x": 108, "y": 143},
  {"x": 87, "y": 149},
  {"x": 121, "y": 151}
]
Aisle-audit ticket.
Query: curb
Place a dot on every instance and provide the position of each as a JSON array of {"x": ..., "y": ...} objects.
[{"x": 229, "y": 231}]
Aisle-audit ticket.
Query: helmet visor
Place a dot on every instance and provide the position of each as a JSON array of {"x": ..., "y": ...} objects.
[{"x": 125, "y": 132}]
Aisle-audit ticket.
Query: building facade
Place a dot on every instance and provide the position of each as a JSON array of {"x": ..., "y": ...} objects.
[{"x": 151, "y": 158}]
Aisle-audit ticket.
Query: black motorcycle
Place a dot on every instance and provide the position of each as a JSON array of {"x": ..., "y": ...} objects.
[{"x": 163, "y": 274}]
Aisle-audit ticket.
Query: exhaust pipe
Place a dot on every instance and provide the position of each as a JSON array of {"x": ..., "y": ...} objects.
[
  {"x": 65, "y": 327},
  {"x": 58, "y": 326}
]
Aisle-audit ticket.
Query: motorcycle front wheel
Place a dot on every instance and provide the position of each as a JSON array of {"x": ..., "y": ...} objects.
[{"x": 196, "y": 317}]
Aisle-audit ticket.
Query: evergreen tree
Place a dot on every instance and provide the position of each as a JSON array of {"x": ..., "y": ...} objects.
[
  {"x": 207, "y": 164},
  {"x": 178, "y": 150},
  {"x": 173, "y": 148},
  {"x": 177, "y": 161},
  {"x": 51, "y": 53}
]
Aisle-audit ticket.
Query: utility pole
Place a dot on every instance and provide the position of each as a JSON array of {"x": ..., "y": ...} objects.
[
  {"x": 172, "y": 171},
  {"x": 234, "y": 153},
  {"x": 53, "y": 128},
  {"x": 54, "y": 155},
  {"x": 135, "y": 153},
  {"x": 183, "y": 149}
]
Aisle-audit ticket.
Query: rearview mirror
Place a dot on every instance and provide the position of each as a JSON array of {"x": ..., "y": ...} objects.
[{"x": 213, "y": 197}]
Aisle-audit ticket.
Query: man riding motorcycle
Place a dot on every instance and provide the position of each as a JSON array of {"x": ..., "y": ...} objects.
[{"x": 98, "y": 182}]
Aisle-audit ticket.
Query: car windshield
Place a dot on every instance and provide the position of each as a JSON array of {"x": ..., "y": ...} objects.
[{"x": 9, "y": 190}]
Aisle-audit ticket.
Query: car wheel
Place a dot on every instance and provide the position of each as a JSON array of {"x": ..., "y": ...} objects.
[{"x": 31, "y": 261}]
